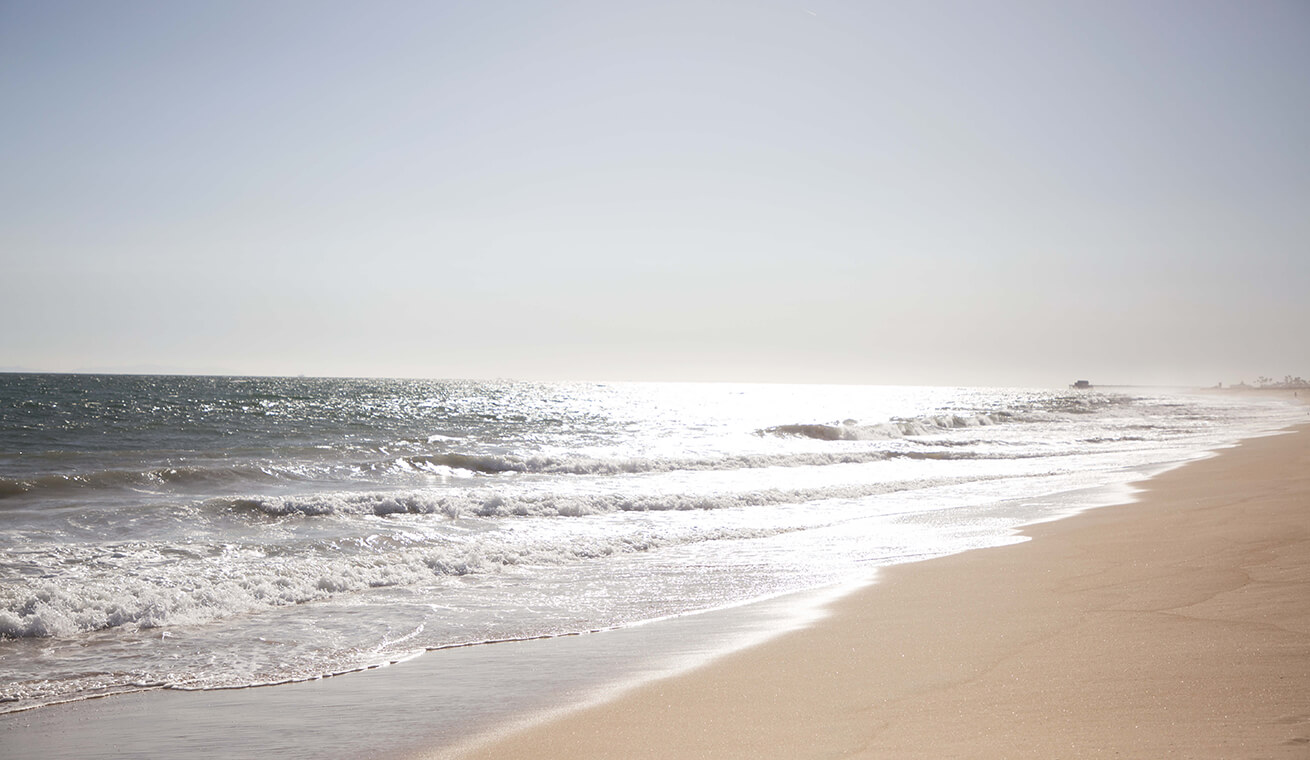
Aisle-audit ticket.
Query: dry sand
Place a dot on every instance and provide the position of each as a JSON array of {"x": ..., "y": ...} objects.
[{"x": 1176, "y": 626}]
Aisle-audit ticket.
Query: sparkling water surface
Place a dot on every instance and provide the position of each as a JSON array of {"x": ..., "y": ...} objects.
[{"x": 204, "y": 532}]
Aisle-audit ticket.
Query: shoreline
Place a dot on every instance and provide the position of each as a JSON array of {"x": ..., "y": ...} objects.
[
  {"x": 1174, "y": 625},
  {"x": 422, "y": 708}
]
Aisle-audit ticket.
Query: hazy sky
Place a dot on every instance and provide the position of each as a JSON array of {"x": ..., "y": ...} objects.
[{"x": 878, "y": 192}]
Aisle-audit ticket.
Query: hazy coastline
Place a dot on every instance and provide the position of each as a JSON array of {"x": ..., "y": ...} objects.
[
  {"x": 477, "y": 687},
  {"x": 1177, "y": 625}
]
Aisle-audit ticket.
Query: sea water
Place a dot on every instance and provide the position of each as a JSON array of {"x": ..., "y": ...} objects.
[{"x": 218, "y": 532}]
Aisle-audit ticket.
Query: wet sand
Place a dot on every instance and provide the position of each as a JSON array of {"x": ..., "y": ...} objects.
[{"x": 1175, "y": 626}]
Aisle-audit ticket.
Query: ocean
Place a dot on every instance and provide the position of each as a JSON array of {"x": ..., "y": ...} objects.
[{"x": 219, "y": 532}]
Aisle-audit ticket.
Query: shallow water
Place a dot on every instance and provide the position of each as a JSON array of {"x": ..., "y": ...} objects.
[{"x": 196, "y": 533}]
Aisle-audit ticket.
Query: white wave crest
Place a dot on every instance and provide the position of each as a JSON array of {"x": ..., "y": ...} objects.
[
  {"x": 529, "y": 502},
  {"x": 920, "y": 426},
  {"x": 133, "y": 592}
]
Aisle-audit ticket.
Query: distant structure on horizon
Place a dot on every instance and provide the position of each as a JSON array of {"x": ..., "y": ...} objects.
[
  {"x": 1081, "y": 385},
  {"x": 1263, "y": 383}
]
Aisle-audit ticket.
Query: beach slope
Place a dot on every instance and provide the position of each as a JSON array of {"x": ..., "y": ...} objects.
[{"x": 1175, "y": 626}]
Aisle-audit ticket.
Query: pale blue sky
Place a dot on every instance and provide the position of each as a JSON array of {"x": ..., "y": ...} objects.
[{"x": 927, "y": 192}]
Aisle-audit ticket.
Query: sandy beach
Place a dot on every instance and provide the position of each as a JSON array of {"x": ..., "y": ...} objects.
[{"x": 1175, "y": 626}]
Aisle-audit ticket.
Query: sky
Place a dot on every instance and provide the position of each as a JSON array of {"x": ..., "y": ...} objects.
[{"x": 948, "y": 193}]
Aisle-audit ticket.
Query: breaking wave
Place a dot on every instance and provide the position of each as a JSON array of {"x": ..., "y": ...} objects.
[
  {"x": 223, "y": 584},
  {"x": 576, "y": 465},
  {"x": 489, "y": 502},
  {"x": 852, "y": 431},
  {"x": 230, "y": 476},
  {"x": 155, "y": 477}
]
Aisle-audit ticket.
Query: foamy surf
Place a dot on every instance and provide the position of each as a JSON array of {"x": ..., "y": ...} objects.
[{"x": 206, "y": 533}]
